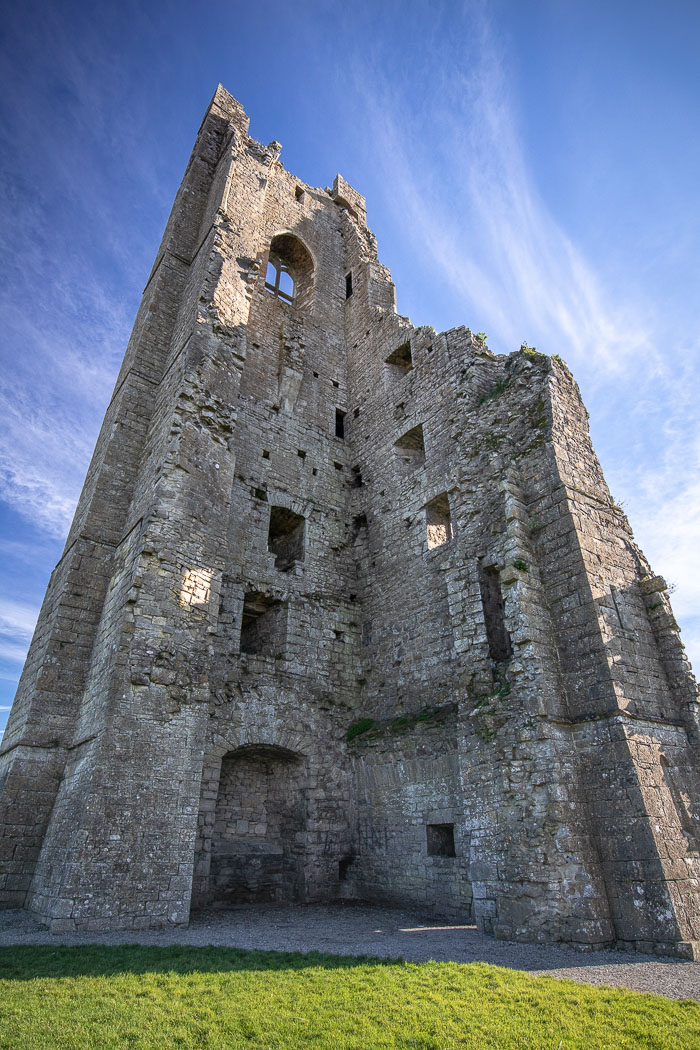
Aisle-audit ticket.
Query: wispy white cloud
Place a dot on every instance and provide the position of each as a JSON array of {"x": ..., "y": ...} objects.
[
  {"x": 70, "y": 286},
  {"x": 14, "y": 654},
  {"x": 17, "y": 618},
  {"x": 456, "y": 175}
]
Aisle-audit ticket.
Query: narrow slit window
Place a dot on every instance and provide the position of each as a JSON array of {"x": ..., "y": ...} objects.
[
  {"x": 285, "y": 537},
  {"x": 400, "y": 360},
  {"x": 500, "y": 647},
  {"x": 343, "y": 866},
  {"x": 263, "y": 625},
  {"x": 278, "y": 280},
  {"x": 440, "y": 840},
  {"x": 438, "y": 522},
  {"x": 410, "y": 450},
  {"x": 339, "y": 423},
  {"x": 348, "y": 285}
]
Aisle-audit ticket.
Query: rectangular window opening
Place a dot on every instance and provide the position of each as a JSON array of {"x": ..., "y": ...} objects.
[
  {"x": 263, "y": 625},
  {"x": 410, "y": 450},
  {"x": 285, "y": 537},
  {"x": 499, "y": 642},
  {"x": 348, "y": 285},
  {"x": 339, "y": 423},
  {"x": 298, "y": 193},
  {"x": 438, "y": 522},
  {"x": 400, "y": 360},
  {"x": 440, "y": 840},
  {"x": 343, "y": 865}
]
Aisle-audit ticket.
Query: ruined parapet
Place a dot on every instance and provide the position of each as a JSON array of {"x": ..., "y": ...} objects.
[{"x": 346, "y": 611}]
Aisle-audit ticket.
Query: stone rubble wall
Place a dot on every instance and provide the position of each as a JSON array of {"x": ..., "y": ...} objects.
[{"x": 457, "y": 685}]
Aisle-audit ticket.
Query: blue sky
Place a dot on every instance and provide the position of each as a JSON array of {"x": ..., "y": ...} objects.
[{"x": 531, "y": 169}]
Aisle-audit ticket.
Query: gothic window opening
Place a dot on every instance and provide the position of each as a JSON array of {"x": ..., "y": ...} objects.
[
  {"x": 410, "y": 450},
  {"x": 499, "y": 643},
  {"x": 438, "y": 521},
  {"x": 285, "y": 538},
  {"x": 263, "y": 625},
  {"x": 289, "y": 274},
  {"x": 440, "y": 840},
  {"x": 278, "y": 279}
]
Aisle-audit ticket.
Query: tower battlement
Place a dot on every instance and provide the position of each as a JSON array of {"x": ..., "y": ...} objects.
[{"x": 346, "y": 612}]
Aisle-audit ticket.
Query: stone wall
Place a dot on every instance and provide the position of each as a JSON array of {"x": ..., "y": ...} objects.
[{"x": 346, "y": 611}]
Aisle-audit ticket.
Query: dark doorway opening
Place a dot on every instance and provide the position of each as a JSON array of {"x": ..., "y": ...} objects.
[{"x": 257, "y": 840}]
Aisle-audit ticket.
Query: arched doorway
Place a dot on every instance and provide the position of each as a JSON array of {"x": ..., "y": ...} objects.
[{"x": 257, "y": 843}]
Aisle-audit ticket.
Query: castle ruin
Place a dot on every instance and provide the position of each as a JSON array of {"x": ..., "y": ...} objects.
[{"x": 346, "y": 612}]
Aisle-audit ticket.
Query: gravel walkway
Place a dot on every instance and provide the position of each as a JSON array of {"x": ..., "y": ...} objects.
[{"x": 388, "y": 933}]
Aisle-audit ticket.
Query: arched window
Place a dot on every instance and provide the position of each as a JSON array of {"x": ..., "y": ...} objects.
[
  {"x": 290, "y": 268},
  {"x": 278, "y": 279}
]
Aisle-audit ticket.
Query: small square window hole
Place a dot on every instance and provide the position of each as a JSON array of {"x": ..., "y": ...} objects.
[
  {"x": 440, "y": 840},
  {"x": 438, "y": 522},
  {"x": 400, "y": 360},
  {"x": 410, "y": 450},
  {"x": 285, "y": 537},
  {"x": 263, "y": 625}
]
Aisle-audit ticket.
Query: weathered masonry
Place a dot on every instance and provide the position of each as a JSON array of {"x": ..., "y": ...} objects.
[{"x": 346, "y": 611}]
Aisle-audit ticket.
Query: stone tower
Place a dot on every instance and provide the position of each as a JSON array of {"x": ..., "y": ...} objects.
[{"x": 346, "y": 611}]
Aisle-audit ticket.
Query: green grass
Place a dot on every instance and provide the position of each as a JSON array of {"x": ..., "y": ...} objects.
[{"x": 216, "y": 998}]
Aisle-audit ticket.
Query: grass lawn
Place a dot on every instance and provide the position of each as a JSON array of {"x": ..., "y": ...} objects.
[{"x": 215, "y": 998}]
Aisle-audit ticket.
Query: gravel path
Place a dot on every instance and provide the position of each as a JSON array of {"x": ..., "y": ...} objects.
[{"x": 388, "y": 933}]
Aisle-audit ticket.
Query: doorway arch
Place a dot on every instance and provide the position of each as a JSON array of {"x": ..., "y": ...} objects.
[{"x": 253, "y": 844}]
